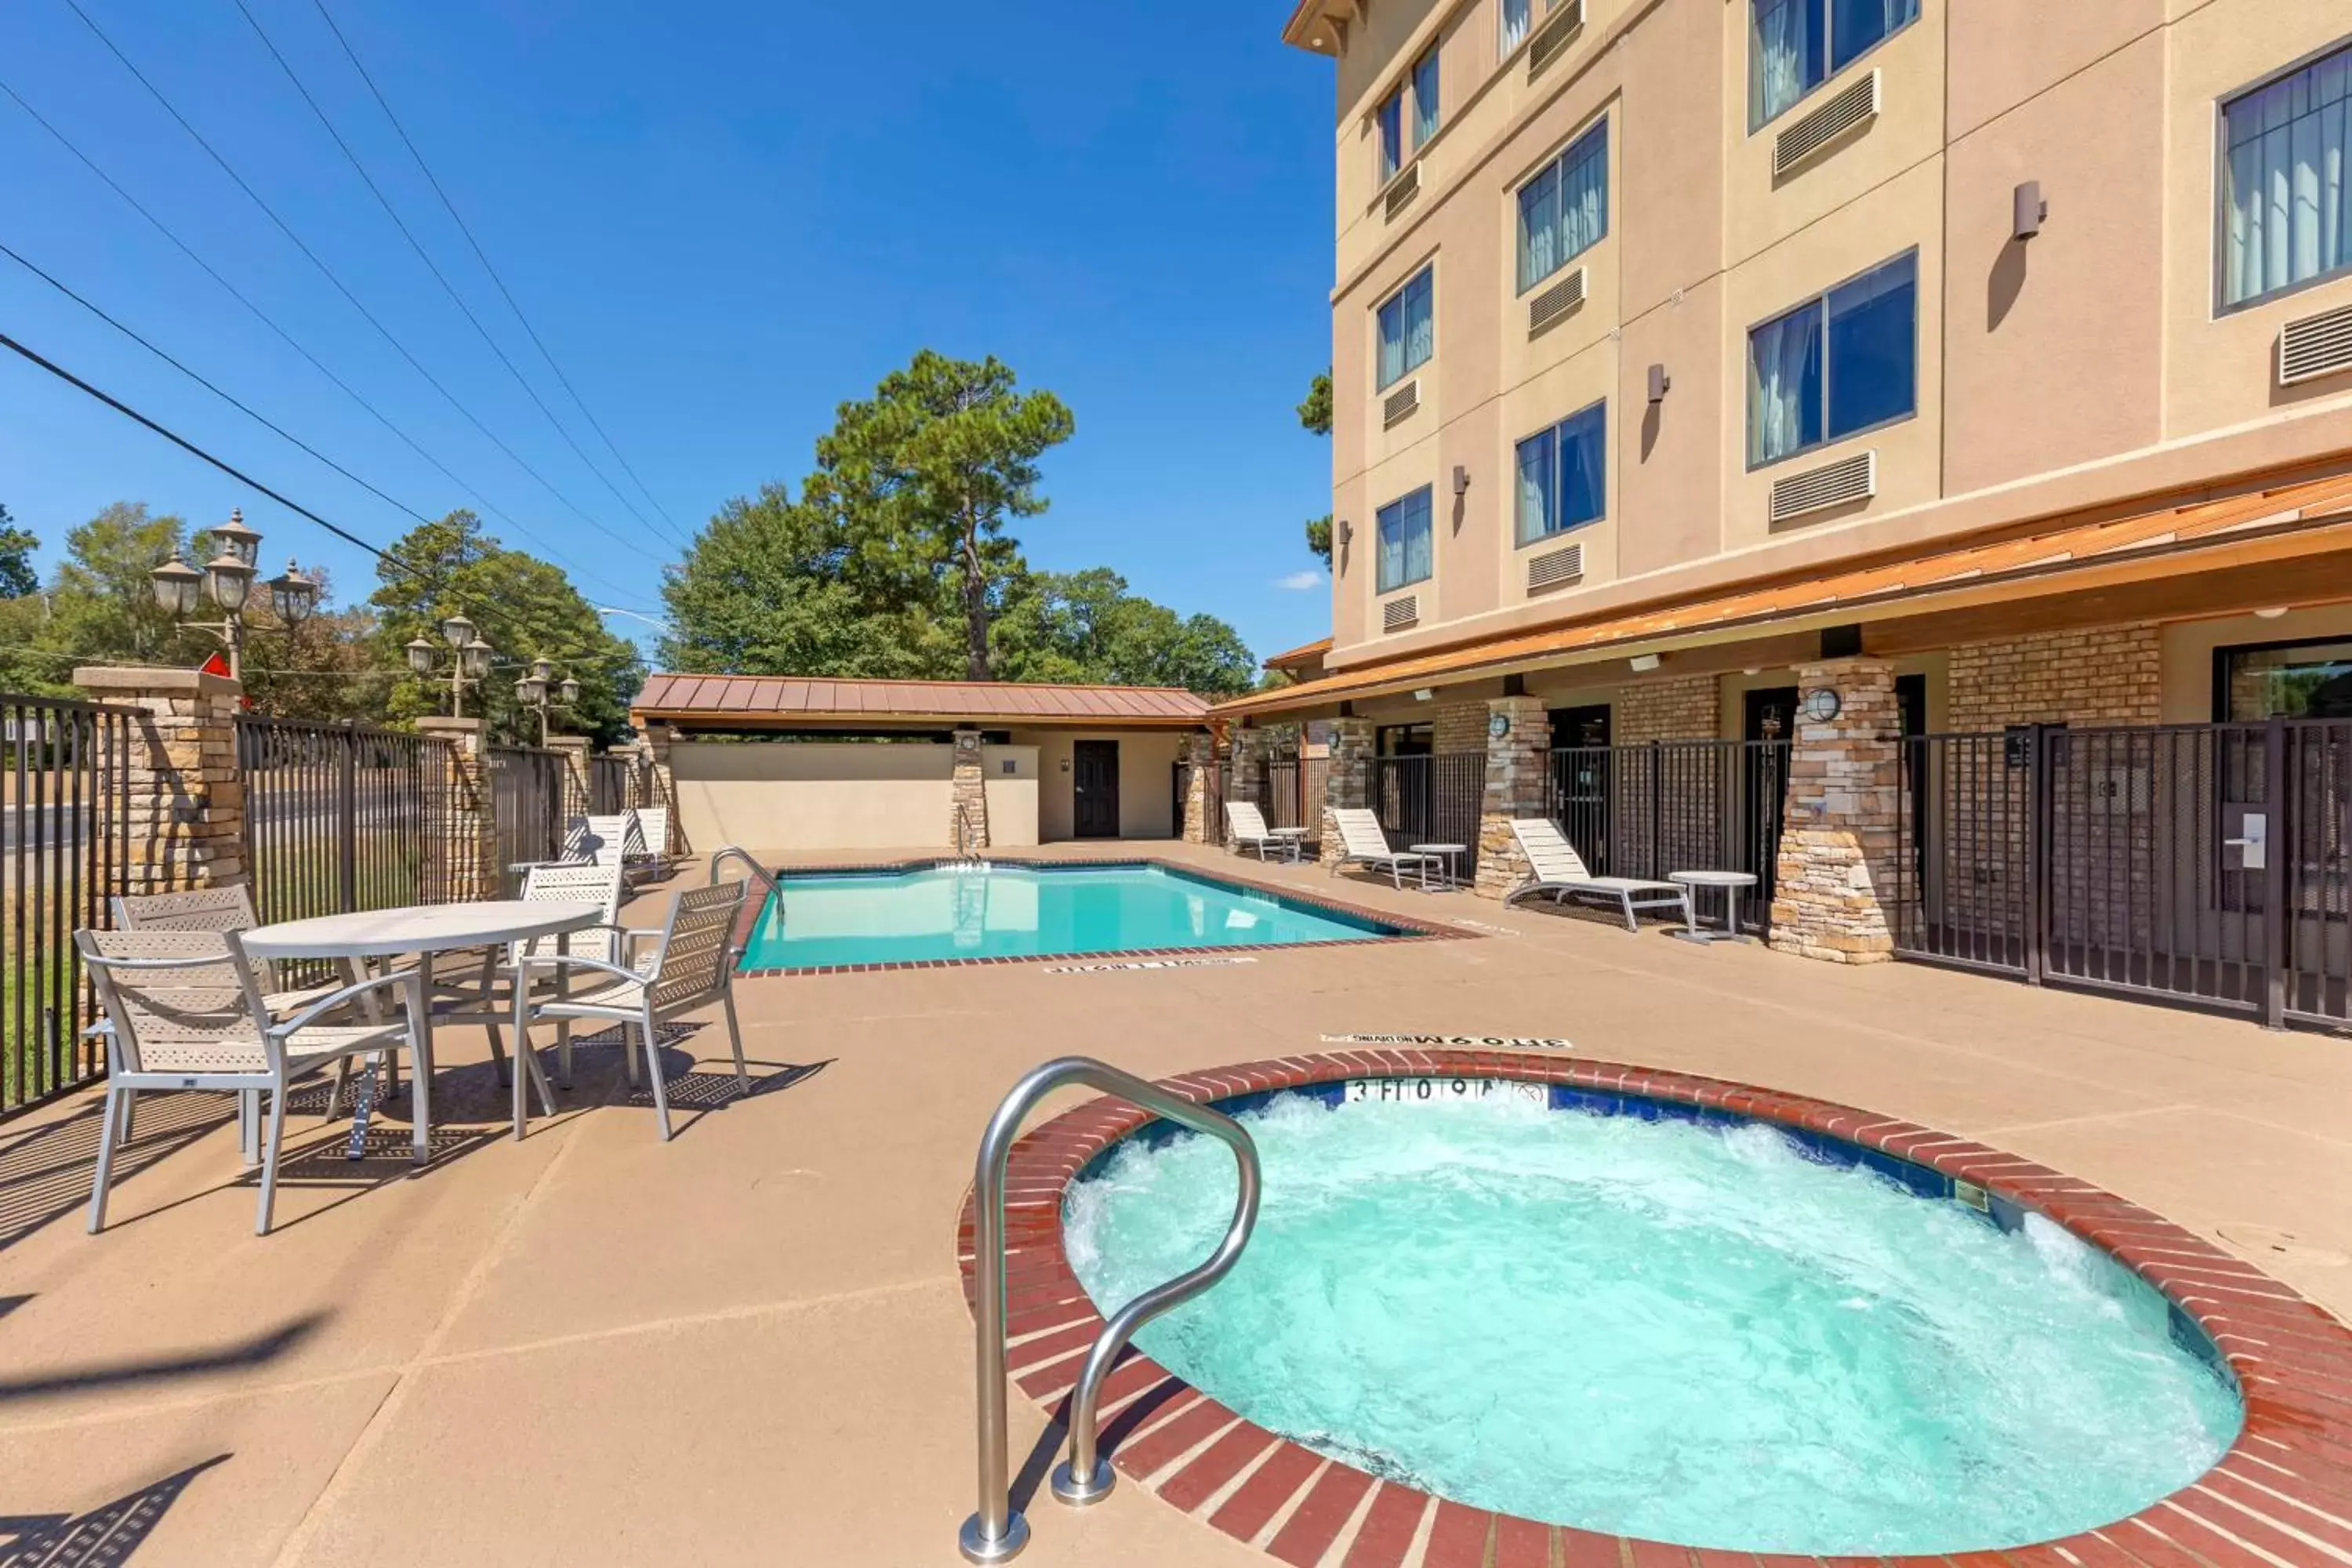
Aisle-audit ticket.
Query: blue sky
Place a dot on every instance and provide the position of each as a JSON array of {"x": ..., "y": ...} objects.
[{"x": 724, "y": 218}]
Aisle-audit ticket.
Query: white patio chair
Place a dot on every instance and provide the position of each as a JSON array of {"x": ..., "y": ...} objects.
[
  {"x": 691, "y": 965},
  {"x": 1559, "y": 870},
  {"x": 189, "y": 1012},
  {"x": 1250, "y": 832},
  {"x": 486, "y": 997},
  {"x": 1363, "y": 843},
  {"x": 649, "y": 841},
  {"x": 590, "y": 841}
]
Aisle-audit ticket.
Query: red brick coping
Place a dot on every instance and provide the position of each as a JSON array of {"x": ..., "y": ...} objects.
[
  {"x": 1406, "y": 927},
  {"x": 2283, "y": 1494}
]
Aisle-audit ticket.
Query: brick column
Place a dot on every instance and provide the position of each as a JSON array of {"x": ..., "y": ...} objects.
[
  {"x": 465, "y": 827},
  {"x": 1344, "y": 783},
  {"x": 1519, "y": 784},
  {"x": 967, "y": 793},
  {"x": 1199, "y": 753},
  {"x": 1246, "y": 780},
  {"x": 1838, "y": 834},
  {"x": 576, "y": 791},
  {"x": 184, "y": 800}
]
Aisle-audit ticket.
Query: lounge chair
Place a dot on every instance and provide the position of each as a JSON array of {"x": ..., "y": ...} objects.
[
  {"x": 1363, "y": 843},
  {"x": 1250, "y": 832},
  {"x": 1556, "y": 868},
  {"x": 648, "y": 843}
]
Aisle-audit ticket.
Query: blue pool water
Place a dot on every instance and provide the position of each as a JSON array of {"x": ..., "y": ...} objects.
[
  {"x": 1000, "y": 911},
  {"x": 1690, "y": 1334}
]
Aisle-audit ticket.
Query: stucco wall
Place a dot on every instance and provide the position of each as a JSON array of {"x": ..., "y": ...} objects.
[
  {"x": 841, "y": 795},
  {"x": 1146, "y": 761}
]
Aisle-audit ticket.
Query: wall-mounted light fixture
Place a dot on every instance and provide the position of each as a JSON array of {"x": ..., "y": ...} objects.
[
  {"x": 2270, "y": 613},
  {"x": 1643, "y": 663},
  {"x": 1461, "y": 480},
  {"x": 1660, "y": 384},
  {"x": 1423, "y": 695},
  {"x": 2027, "y": 210}
]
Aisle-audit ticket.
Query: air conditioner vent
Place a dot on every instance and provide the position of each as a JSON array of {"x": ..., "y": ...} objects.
[
  {"x": 1846, "y": 110},
  {"x": 1398, "y": 614},
  {"x": 1832, "y": 484},
  {"x": 1401, "y": 190},
  {"x": 1559, "y": 30},
  {"x": 2316, "y": 346},
  {"x": 1555, "y": 568},
  {"x": 1401, "y": 403},
  {"x": 1556, "y": 301}
]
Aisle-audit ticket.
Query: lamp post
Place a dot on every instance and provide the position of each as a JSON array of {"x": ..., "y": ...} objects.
[
  {"x": 469, "y": 660},
  {"x": 227, "y": 579},
  {"x": 534, "y": 691}
]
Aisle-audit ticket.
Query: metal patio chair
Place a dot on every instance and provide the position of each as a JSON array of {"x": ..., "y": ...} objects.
[
  {"x": 189, "y": 1012},
  {"x": 486, "y": 997}
]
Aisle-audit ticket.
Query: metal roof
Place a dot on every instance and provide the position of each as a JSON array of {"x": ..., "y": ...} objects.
[{"x": 757, "y": 701}]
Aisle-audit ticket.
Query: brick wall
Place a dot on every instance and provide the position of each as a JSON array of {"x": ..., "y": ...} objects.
[
  {"x": 2109, "y": 676},
  {"x": 1460, "y": 727},
  {"x": 1686, "y": 709}
]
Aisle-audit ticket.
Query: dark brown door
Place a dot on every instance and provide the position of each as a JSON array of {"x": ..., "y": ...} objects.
[
  {"x": 1094, "y": 778},
  {"x": 1582, "y": 769}
]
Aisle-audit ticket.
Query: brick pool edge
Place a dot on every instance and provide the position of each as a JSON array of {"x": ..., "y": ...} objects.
[{"x": 2282, "y": 1495}]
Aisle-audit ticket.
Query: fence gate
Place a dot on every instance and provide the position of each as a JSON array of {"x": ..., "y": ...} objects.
[
  {"x": 2201, "y": 862},
  {"x": 1648, "y": 809}
]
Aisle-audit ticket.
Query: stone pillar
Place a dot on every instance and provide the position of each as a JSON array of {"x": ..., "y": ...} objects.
[
  {"x": 183, "y": 797},
  {"x": 577, "y": 794},
  {"x": 465, "y": 850},
  {"x": 1245, "y": 778},
  {"x": 1344, "y": 785},
  {"x": 1200, "y": 754},
  {"x": 1519, "y": 784},
  {"x": 967, "y": 795},
  {"x": 1838, "y": 848},
  {"x": 654, "y": 783}
]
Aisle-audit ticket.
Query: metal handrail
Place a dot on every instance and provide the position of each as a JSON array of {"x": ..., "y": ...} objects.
[
  {"x": 996, "y": 1533},
  {"x": 758, "y": 873},
  {"x": 965, "y": 832}
]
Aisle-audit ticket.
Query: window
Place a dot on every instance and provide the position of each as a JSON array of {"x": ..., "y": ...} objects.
[
  {"x": 1408, "y": 330},
  {"x": 1390, "y": 117},
  {"x": 2284, "y": 680},
  {"x": 1406, "y": 740},
  {"x": 2284, "y": 217},
  {"x": 1425, "y": 99},
  {"x": 1511, "y": 25},
  {"x": 1794, "y": 46},
  {"x": 1404, "y": 540},
  {"x": 1564, "y": 210},
  {"x": 1563, "y": 475},
  {"x": 1836, "y": 365}
]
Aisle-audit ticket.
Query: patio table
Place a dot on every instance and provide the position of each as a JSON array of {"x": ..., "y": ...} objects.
[{"x": 425, "y": 929}]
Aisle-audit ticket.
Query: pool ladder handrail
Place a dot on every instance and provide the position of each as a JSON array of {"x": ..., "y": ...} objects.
[
  {"x": 966, "y": 832},
  {"x": 996, "y": 1533},
  {"x": 759, "y": 873}
]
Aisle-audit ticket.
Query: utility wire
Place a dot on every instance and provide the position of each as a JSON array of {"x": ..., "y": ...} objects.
[
  {"x": 291, "y": 505},
  {"x": 328, "y": 273},
  {"x": 264, "y": 317},
  {"x": 479, "y": 254},
  {"x": 439, "y": 277}
]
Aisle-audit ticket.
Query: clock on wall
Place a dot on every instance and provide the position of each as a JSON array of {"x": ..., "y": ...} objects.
[{"x": 1822, "y": 705}]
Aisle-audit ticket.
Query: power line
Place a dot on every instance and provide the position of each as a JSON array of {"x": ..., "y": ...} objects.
[
  {"x": 264, "y": 317},
  {"x": 456, "y": 299},
  {"x": 479, "y": 254},
  {"x": 328, "y": 273},
  {"x": 291, "y": 505}
]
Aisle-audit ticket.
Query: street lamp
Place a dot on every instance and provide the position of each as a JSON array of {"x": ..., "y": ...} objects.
[
  {"x": 533, "y": 692},
  {"x": 227, "y": 578},
  {"x": 469, "y": 660}
]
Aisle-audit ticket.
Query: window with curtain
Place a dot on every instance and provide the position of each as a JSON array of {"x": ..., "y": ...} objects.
[
  {"x": 1389, "y": 119},
  {"x": 1511, "y": 24},
  {"x": 2283, "y": 215},
  {"x": 1425, "y": 97},
  {"x": 1403, "y": 526},
  {"x": 1563, "y": 475},
  {"x": 1408, "y": 328},
  {"x": 1794, "y": 46},
  {"x": 1837, "y": 364},
  {"x": 1564, "y": 210}
]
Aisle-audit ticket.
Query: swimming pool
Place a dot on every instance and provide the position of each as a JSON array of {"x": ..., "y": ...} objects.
[
  {"x": 1636, "y": 1317},
  {"x": 948, "y": 911}
]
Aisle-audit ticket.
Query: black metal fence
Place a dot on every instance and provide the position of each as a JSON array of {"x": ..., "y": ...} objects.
[
  {"x": 2208, "y": 863},
  {"x": 1648, "y": 809},
  {"x": 1433, "y": 799},
  {"x": 527, "y": 804},
  {"x": 610, "y": 789},
  {"x": 342, "y": 817},
  {"x": 66, "y": 836}
]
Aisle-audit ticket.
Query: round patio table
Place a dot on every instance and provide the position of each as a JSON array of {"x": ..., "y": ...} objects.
[{"x": 425, "y": 929}]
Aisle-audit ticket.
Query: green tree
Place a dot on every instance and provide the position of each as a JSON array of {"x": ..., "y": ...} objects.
[
  {"x": 925, "y": 474},
  {"x": 1315, "y": 417},
  {"x": 1086, "y": 626},
  {"x": 527, "y": 608},
  {"x": 102, "y": 605},
  {"x": 17, "y": 577}
]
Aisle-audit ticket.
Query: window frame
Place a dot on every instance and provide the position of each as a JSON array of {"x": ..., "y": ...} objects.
[
  {"x": 1381, "y": 589},
  {"x": 1427, "y": 269},
  {"x": 1830, "y": 73},
  {"x": 1821, "y": 298},
  {"x": 2220, "y": 258},
  {"x": 2223, "y": 652},
  {"x": 1601, "y": 404},
  {"x": 1412, "y": 88},
  {"x": 1557, "y": 163},
  {"x": 1506, "y": 48},
  {"x": 1404, "y": 95}
]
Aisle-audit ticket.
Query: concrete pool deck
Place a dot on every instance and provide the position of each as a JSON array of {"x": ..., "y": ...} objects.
[{"x": 749, "y": 1345}]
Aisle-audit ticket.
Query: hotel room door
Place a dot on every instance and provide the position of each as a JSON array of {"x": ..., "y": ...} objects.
[{"x": 1094, "y": 781}]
